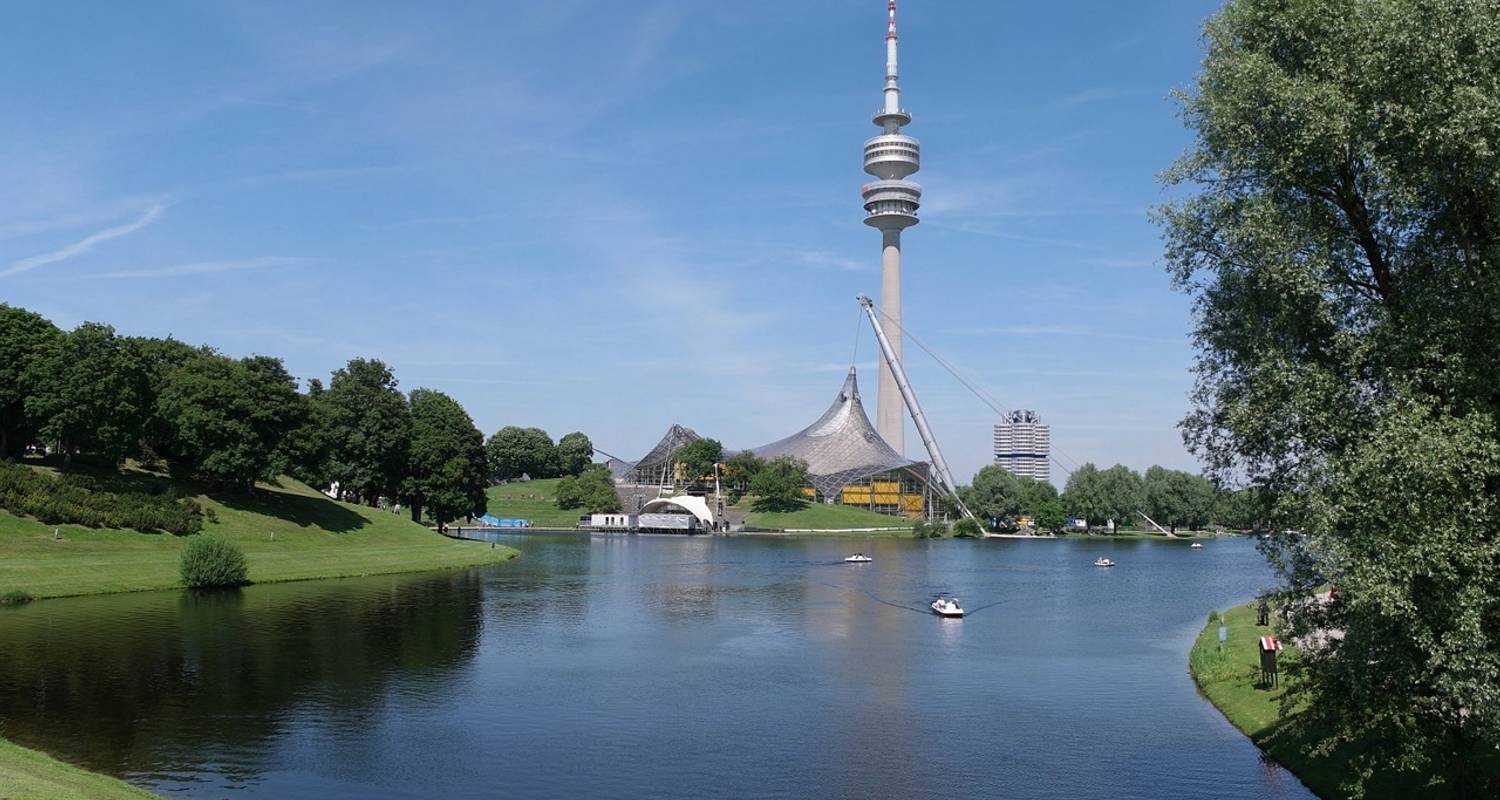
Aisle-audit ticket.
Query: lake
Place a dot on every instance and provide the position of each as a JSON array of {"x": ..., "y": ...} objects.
[{"x": 658, "y": 666}]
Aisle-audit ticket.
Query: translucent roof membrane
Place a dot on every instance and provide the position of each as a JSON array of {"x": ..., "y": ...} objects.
[{"x": 842, "y": 447}]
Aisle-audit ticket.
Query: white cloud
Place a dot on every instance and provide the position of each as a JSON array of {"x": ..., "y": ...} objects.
[
  {"x": 85, "y": 244},
  {"x": 819, "y": 258},
  {"x": 204, "y": 267}
]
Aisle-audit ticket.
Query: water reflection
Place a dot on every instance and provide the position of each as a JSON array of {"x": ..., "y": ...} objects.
[
  {"x": 629, "y": 666},
  {"x": 127, "y": 684}
]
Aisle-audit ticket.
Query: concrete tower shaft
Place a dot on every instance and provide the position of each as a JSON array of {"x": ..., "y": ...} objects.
[{"x": 891, "y": 204}]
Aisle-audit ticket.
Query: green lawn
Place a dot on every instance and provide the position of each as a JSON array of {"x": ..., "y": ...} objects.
[
  {"x": 1230, "y": 681},
  {"x": 534, "y": 500},
  {"x": 821, "y": 516},
  {"x": 288, "y": 532},
  {"x": 29, "y": 775}
]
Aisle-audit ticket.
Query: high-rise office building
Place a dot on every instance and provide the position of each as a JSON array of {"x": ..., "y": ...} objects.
[{"x": 1023, "y": 445}]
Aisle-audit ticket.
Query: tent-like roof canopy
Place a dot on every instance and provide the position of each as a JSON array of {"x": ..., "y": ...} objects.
[
  {"x": 841, "y": 447},
  {"x": 659, "y": 461},
  {"x": 685, "y": 503}
]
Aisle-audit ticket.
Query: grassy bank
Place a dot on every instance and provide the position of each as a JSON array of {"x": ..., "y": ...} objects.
[
  {"x": 288, "y": 532},
  {"x": 534, "y": 500},
  {"x": 30, "y": 775},
  {"x": 1230, "y": 680},
  {"x": 820, "y": 516}
]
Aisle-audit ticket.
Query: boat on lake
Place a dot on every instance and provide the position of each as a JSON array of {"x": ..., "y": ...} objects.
[
  {"x": 1103, "y": 562},
  {"x": 858, "y": 558},
  {"x": 1196, "y": 546},
  {"x": 947, "y": 607}
]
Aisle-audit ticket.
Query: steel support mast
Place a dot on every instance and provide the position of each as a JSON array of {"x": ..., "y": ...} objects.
[{"x": 928, "y": 440}]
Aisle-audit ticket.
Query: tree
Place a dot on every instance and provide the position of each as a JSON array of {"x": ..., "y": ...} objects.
[
  {"x": 227, "y": 419},
  {"x": 698, "y": 458},
  {"x": 25, "y": 338},
  {"x": 1174, "y": 498},
  {"x": 592, "y": 491},
  {"x": 370, "y": 427},
  {"x": 778, "y": 486},
  {"x": 310, "y": 446},
  {"x": 574, "y": 453},
  {"x": 446, "y": 468},
  {"x": 1124, "y": 493},
  {"x": 994, "y": 494},
  {"x": 1084, "y": 495},
  {"x": 157, "y": 359},
  {"x": 1035, "y": 495},
  {"x": 1051, "y": 515},
  {"x": 514, "y": 452},
  {"x": 739, "y": 470},
  {"x": 1340, "y": 237},
  {"x": 87, "y": 394}
]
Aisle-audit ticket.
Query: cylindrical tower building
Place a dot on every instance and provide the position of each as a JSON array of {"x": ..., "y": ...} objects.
[{"x": 891, "y": 203}]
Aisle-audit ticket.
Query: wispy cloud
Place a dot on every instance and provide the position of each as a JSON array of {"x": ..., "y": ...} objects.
[
  {"x": 204, "y": 267},
  {"x": 1099, "y": 94},
  {"x": 1120, "y": 263},
  {"x": 85, "y": 244},
  {"x": 819, "y": 258}
]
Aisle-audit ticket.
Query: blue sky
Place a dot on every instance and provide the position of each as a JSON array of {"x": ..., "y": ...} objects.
[{"x": 614, "y": 216}]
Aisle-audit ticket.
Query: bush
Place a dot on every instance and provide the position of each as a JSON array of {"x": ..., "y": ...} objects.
[
  {"x": 210, "y": 562},
  {"x": 927, "y": 530},
  {"x": 15, "y": 597},
  {"x": 77, "y": 500},
  {"x": 968, "y": 529}
]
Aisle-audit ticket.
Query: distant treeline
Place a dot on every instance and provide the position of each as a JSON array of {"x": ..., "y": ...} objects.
[
  {"x": 91, "y": 393},
  {"x": 1172, "y": 498}
]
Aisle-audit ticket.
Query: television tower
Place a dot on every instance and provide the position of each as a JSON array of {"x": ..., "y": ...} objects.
[{"x": 891, "y": 204}]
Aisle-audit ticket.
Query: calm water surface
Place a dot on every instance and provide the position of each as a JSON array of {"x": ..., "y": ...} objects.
[{"x": 659, "y": 667}]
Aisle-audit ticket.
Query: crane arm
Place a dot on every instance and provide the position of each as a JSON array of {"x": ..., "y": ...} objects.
[{"x": 945, "y": 477}]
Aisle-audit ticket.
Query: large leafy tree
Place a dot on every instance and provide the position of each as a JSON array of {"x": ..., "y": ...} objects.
[
  {"x": 446, "y": 471},
  {"x": 778, "y": 485},
  {"x": 88, "y": 394},
  {"x": 158, "y": 358},
  {"x": 515, "y": 451},
  {"x": 310, "y": 446},
  {"x": 25, "y": 338},
  {"x": 574, "y": 453},
  {"x": 370, "y": 424},
  {"x": 994, "y": 494},
  {"x": 229, "y": 418},
  {"x": 1175, "y": 497},
  {"x": 1339, "y": 231},
  {"x": 1098, "y": 495},
  {"x": 698, "y": 458},
  {"x": 591, "y": 491}
]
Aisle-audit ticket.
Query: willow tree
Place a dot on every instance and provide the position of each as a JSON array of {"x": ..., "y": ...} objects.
[{"x": 1338, "y": 226}]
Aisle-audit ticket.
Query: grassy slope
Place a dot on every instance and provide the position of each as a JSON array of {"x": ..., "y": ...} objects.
[
  {"x": 1229, "y": 682},
  {"x": 822, "y": 515},
  {"x": 534, "y": 500},
  {"x": 29, "y": 775},
  {"x": 288, "y": 532}
]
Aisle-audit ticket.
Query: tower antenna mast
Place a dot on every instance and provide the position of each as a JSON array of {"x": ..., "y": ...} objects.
[{"x": 891, "y": 202}]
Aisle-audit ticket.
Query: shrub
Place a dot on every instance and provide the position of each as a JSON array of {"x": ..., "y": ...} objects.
[
  {"x": 967, "y": 529},
  {"x": 927, "y": 530},
  {"x": 15, "y": 597},
  {"x": 210, "y": 562},
  {"x": 77, "y": 500}
]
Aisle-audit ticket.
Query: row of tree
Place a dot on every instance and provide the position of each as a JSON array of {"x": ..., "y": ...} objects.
[
  {"x": 92, "y": 393},
  {"x": 1172, "y": 498}
]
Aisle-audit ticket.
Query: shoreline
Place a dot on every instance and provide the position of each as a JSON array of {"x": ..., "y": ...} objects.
[{"x": 28, "y": 774}]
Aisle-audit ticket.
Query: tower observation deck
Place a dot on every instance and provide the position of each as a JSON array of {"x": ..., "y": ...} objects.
[{"x": 891, "y": 202}]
